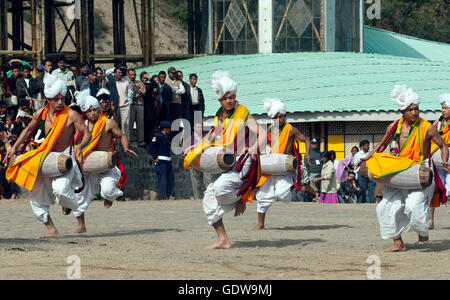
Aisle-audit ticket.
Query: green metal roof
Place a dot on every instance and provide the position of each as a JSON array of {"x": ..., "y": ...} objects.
[
  {"x": 391, "y": 43},
  {"x": 319, "y": 82}
]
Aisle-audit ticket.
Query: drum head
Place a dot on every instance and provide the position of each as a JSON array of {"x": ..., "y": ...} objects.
[
  {"x": 229, "y": 159},
  {"x": 69, "y": 164}
]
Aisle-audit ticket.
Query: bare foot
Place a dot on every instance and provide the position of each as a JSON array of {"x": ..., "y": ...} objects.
[
  {"x": 79, "y": 230},
  {"x": 398, "y": 246},
  {"x": 49, "y": 235},
  {"x": 430, "y": 224},
  {"x": 221, "y": 244},
  {"x": 423, "y": 239},
  {"x": 259, "y": 227},
  {"x": 107, "y": 204}
]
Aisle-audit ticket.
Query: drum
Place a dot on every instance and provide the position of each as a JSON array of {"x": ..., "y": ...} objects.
[
  {"x": 55, "y": 165},
  {"x": 215, "y": 160},
  {"x": 415, "y": 178},
  {"x": 98, "y": 162},
  {"x": 437, "y": 159},
  {"x": 278, "y": 164}
]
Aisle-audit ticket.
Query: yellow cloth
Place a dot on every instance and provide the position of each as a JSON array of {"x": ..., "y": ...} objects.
[
  {"x": 25, "y": 170},
  {"x": 230, "y": 128},
  {"x": 278, "y": 147},
  {"x": 96, "y": 134},
  {"x": 382, "y": 164},
  {"x": 445, "y": 134}
]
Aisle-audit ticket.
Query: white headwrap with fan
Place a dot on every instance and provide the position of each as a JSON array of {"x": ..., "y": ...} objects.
[
  {"x": 85, "y": 100},
  {"x": 222, "y": 84},
  {"x": 404, "y": 96},
  {"x": 273, "y": 107},
  {"x": 54, "y": 86}
]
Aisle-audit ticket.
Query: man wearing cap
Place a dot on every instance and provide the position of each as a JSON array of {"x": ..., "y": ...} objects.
[
  {"x": 159, "y": 148},
  {"x": 236, "y": 130},
  {"x": 315, "y": 164},
  {"x": 103, "y": 131},
  {"x": 412, "y": 135},
  {"x": 106, "y": 110},
  {"x": 442, "y": 126},
  {"x": 283, "y": 138},
  {"x": 53, "y": 129}
]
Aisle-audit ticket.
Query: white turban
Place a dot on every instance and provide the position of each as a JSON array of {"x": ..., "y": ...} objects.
[
  {"x": 273, "y": 107},
  {"x": 222, "y": 84},
  {"x": 445, "y": 99},
  {"x": 404, "y": 96},
  {"x": 54, "y": 86},
  {"x": 85, "y": 100}
]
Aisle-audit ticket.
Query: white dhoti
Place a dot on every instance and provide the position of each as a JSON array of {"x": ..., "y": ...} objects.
[
  {"x": 445, "y": 178},
  {"x": 276, "y": 188},
  {"x": 402, "y": 207},
  {"x": 221, "y": 194},
  {"x": 61, "y": 188},
  {"x": 104, "y": 183}
]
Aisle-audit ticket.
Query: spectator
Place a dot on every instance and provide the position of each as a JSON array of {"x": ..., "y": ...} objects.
[
  {"x": 159, "y": 148},
  {"x": 4, "y": 88},
  {"x": 62, "y": 72},
  {"x": 186, "y": 104},
  {"x": 26, "y": 86},
  {"x": 165, "y": 97},
  {"x": 103, "y": 97},
  {"x": 82, "y": 80},
  {"x": 74, "y": 70},
  {"x": 152, "y": 106},
  {"x": 137, "y": 108},
  {"x": 12, "y": 83},
  {"x": 327, "y": 180},
  {"x": 316, "y": 163},
  {"x": 178, "y": 90},
  {"x": 354, "y": 151},
  {"x": 196, "y": 99},
  {"x": 121, "y": 97},
  {"x": 367, "y": 186},
  {"x": 95, "y": 84},
  {"x": 3, "y": 114},
  {"x": 349, "y": 191},
  {"x": 101, "y": 76},
  {"x": 47, "y": 67}
]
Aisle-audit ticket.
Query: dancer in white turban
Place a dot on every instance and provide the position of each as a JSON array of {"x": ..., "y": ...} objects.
[
  {"x": 57, "y": 124},
  {"x": 413, "y": 136},
  {"x": 233, "y": 189},
  {"x": 103, "y": 131},
  {"x": 442, "y": 126},
  {"x": 283, "y": 138}
]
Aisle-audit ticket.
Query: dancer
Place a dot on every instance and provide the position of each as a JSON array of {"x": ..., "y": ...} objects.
[
  {"x": 55, "y": 126},
  {"x": 233, "y": 189},
  {"x": 442, "y": 126},
  {"x": 283, "y": 138},
  {"x": 412, "y": 135},
  {"x": 103, "y": 131}
]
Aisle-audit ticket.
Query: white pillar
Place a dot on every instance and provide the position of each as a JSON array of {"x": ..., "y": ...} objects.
[
  {"x": 265, "y": 35},
  {"x": 329, "y": 25}
]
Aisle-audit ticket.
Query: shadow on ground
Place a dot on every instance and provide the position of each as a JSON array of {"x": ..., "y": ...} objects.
[
  {"x": 311, "y": 227},
  {"x": 276, "y": 244}
]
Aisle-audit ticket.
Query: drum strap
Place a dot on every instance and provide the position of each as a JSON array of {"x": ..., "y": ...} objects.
[
  {"x": 298, "y": 183},
  {"x": 78, "y": 165}
]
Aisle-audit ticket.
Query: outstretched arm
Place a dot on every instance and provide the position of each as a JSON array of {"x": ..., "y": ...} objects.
[
  {"x": 434, "y": 136},
  {"x": 116, "y": 132},
  {"x": 303, "y": 138}
]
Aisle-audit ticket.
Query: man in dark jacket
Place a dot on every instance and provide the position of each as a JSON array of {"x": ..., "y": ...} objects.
[
  {"x": 26, "y": 86},
  {"x": 349, "y": 190},
  {"x": 196, "y": 99},
  {"x": 166, "y": 97}
]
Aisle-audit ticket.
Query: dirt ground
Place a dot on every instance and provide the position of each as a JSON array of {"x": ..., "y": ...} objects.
[{"x": 165, "y": 240}]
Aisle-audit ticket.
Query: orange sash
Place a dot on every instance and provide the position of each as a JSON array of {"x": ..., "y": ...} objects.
[
  {"x": 278, "y": 147},
  {"x": 382, "y": 164},
  {"x": 445, "y": 134},
  {"x": 96, "y": 134},
  {"x": 25, "y": 170},
  {"x": 230, "y": 128}
]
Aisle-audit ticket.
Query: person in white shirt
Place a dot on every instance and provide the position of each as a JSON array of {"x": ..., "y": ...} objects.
[{"x": 365, "y": 184}]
